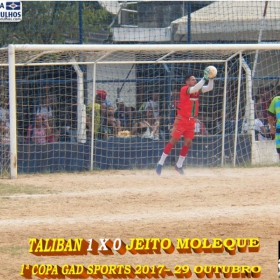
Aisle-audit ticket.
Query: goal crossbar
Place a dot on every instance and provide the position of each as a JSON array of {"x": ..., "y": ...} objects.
[
  {"x": 108, "y": 50},
  {"x": 156, "y": 47}
]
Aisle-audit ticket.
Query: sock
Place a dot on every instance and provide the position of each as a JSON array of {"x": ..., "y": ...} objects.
[
  {"x": 184, "y": 151},
  {"x": 165, "y": 153},
  {"x": 162, "y": 159},
  {"x": 180, "y": 161},
  {"x": 183, "y": 154},
  {"x": 168, "y": 148}
]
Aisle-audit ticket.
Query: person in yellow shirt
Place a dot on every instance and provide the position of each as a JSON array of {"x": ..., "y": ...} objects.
[
  {"x": 99, "y": 99},
  {"x": 97, "y": 108}
]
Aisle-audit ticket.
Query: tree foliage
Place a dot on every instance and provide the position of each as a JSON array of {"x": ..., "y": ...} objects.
[{"x": 54, "y": 22}]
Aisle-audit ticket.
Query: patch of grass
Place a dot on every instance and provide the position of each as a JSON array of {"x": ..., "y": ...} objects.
[
  {"x": 46, "y": 171},
  {"x": 4, "y": 173},
  {"x": 7, "y": 189},
  {"x": 12, "y": 250}
]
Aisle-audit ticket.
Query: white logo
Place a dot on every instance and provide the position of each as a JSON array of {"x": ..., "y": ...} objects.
[{"x": 10, "y": 11}]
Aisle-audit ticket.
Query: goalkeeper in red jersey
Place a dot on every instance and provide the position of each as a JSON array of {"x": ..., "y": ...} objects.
[{"x": 184, "y": 123}]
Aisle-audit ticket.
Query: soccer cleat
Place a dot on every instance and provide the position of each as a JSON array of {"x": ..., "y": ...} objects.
[
  {"x": 180, "y": 170},
  {"x": 158, "y": 169}
]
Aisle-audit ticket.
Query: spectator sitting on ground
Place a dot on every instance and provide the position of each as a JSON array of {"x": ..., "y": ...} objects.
[{"x": 109, "y": 126}]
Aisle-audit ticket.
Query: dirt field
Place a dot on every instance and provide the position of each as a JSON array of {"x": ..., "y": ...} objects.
[{"x": 206, "y": 203}]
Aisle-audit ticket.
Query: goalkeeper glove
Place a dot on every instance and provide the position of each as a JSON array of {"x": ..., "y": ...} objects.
[{"x": 206, "y": 73}]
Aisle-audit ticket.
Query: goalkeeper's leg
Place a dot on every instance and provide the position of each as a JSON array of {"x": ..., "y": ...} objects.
[
  {"x": 167, "y": 149},
  {"x": 181, "y": 127},
  {"x": 182, "y": 156}
]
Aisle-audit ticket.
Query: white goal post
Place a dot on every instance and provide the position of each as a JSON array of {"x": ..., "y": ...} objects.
[{"x": 132, "y": 72}]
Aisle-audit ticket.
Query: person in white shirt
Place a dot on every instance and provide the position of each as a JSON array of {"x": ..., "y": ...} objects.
[
  {"x": 154, "y": 104},
  {"x": 45, "y": 109},
  {"x": 261, "y": 131}
]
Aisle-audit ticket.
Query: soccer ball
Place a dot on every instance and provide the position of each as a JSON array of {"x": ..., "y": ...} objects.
[{"x": 212, "y": 72}]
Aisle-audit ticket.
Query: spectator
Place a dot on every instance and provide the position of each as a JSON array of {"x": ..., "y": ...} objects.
[
  {"x": 100, "y": 107},
  {"x": 154, "y": 104},
  {"x": 142, "y": 128},
  {"x": 4, "y": 111},
  {"x": 230, "y": 124},
  {"x": 120, "y": 113},
  {"x": 38, "y": 132},
  {"x": 147, "y": 126},
  {"x": 200, "y": 128},
  {"x": 104, "y": 111},
  {"x": 96, "y": 118},
  {"x": 4, "y": 133},
  {"x": 176, "y": 96},
  {"x": 261, "y": 131},
  {"x": 218, "y": 122},
  {"x": 45, "y": 108},
  {"x": 173, "y": 106},
  {"x": 66, "y": 131},
  {"x": 130, "y": 118},
  {"x": 258, "y": 99},
  {"x": 265, "y": 102},
  {"x": 153, "y": 122},
  {"x": 110, "y": 126},
  {"x": 102, "y": 95},
  {"x": 53, "y": 132}
]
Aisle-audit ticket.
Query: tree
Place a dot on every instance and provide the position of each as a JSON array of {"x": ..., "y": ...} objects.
[{"x": 54, "y": 23}]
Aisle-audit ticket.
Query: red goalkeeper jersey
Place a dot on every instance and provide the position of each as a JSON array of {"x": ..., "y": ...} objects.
[{"x": 188, "y": 106}]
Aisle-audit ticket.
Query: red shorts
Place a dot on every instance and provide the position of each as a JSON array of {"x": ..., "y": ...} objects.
[{"x": 183, "y": 126}]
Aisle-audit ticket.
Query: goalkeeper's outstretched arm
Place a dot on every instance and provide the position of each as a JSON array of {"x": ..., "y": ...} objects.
[
  {"x": 209, "y": 87},
  {"x": 200, "y": 86}
]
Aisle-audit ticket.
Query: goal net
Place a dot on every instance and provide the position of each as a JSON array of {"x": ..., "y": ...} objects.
[{"x": 85, "y": 107}]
